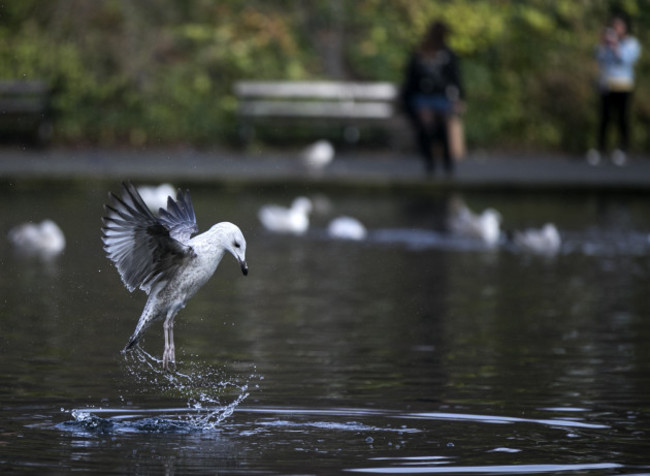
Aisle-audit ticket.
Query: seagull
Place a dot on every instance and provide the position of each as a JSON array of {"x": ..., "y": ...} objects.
[
  {"x": 318, "y": 155},
  {"x": 485, "y": 227},
  {"x": 43, "y": 239},
  {"x": 158, "y": 255},
  {"x": 156, "y": 196},
  {"x": 347, "y": 228},
  {"x": 545, "y": 240},
  {"x": 280, "y": 219}
]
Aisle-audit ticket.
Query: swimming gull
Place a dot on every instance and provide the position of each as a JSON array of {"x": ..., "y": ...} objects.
[
  {"x": 346, "y": 228},
  {"x": 43, "y": 239},
  {"x": 280, "y": 219},
  {"x": 155, "y": 196},
  {"x": 545, "y": 240},
  {"x": 158, "y": 255},
  {"x": 485, "y": 227}
]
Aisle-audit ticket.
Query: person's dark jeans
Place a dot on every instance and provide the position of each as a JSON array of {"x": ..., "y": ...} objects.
[
  {"x": 430, "y": 135},
  {"x": 614, "y": 105}
]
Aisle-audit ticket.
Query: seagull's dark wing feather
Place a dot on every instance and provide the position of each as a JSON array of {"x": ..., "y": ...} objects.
[
  {"x": 179, "y": 217},
  {"x": 139, "y": 244}
]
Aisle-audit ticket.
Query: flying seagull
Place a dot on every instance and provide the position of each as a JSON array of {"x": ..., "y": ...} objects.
[{"x": 158, "y": 255}]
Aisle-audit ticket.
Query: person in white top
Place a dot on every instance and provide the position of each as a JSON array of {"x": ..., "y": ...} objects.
[{"x": 616, "y": 55}]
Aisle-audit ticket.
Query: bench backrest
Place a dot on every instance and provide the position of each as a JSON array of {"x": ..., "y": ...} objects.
[
  {"x": 325, "y": 90},
  {"x": 325, "y": 100},
  {"x": 23, "y": 97}
]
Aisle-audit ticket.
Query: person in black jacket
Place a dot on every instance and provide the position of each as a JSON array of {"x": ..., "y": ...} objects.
[{"x": 431, "y": 92}]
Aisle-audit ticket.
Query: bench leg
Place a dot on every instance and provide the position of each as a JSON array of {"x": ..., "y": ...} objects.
[
  {"x": 245, "y": 132},
  {"x": 351, "y": 134}
]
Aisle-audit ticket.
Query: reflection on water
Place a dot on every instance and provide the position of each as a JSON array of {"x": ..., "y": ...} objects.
[{"x": 412, "y": 351}]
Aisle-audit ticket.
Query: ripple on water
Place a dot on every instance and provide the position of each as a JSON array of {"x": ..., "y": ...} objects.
[
  {"x": 328, "y": 429},
  {"x": 433, "y": 466}
]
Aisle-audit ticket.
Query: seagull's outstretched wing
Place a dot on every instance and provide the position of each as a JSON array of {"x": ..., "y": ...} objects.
[
  {"x": 179, "y": 217},
  {"x": 145, "y": 249}
]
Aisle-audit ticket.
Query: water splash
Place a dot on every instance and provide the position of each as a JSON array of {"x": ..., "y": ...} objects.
[
  {"x": 210, "y": 396},
  {"x": 160, "y": 420},
  {"x": 200, "y": 382}
]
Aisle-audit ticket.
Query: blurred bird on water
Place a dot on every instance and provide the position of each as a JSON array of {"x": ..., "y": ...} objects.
[
  {"x": 294, "y": 220},
  {"x": 155, "y": 196},
  {"x": 347, "y": 228},
  {"x": 43, "y": 239},
  {"x": 485, "y": 227},
  {"x": 545, "y": 241}
]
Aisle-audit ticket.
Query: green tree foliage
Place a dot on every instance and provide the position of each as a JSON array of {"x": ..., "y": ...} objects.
[{"x": 161, "y": 72}]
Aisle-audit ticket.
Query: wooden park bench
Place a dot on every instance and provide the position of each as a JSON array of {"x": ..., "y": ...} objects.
[
  {"x": 348, "y": 105},
  {"x": 25, "y": 111}
]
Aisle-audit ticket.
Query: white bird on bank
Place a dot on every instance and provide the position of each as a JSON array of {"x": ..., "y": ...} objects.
[
  {"x": 347, "y": 228},
  {"x": 155, "y": 196},
  {"x": 545, "y": 240},
  {"x": 280, "y": 219},
  {"x": 43, "y": 239},
  {"x": 485, "y": 227},
  {"x": 318, "y": 155},
  {"x": 157, "y": 255}
]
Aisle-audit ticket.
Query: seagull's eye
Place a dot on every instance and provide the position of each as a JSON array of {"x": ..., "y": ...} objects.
[{"x": 236, "y": 244}]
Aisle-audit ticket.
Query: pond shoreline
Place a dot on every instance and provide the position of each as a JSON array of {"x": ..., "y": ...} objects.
[{"x": 350, "y": 169}]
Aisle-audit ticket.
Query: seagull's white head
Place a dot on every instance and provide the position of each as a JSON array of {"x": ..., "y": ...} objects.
[{"x": 235, "y": 243}]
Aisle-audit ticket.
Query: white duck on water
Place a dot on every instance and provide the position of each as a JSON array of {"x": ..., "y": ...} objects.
[
  {"x": 157, "y": 255},
  {"x": 280, "y": 219},
  {"x": 485, "y": 227},
  {"x": 347, "y": 228},
  {"x": 545, "y": 241},
  {"x": 155, "y": 196},
  {"x": 43, "y": 239}
]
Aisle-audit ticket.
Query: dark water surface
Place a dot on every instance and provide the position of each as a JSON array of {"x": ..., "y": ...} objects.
[{"x": 409, "y": 353}]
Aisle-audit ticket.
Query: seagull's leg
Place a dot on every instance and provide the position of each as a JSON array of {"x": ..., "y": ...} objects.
[
  {"x": 169, "y": 354},
  {"x": 172, "y": 347},
  {"x": 165, "y": 359}
]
